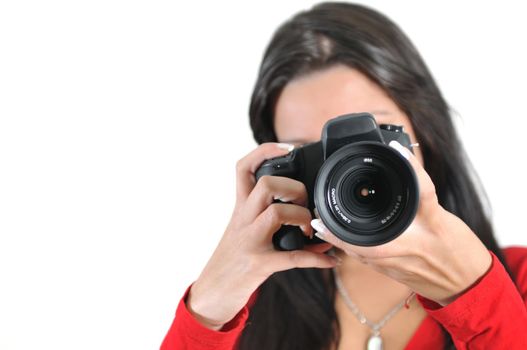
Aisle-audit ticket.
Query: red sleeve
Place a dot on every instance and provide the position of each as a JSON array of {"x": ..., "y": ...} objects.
[
  {"x": 186, "y": 333},
  {"x": 491, "y": 314}
]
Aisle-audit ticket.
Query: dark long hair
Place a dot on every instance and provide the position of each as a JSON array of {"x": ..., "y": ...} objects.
[{"x": 295, "y": 308}]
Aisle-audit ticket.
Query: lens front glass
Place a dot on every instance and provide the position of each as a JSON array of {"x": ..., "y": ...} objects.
[
  {"x": 364, "y": 192},
  {"x": 364, "y": 195}
]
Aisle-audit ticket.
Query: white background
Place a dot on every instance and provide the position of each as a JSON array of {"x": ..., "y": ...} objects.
[{"x": 121, "y": 122}]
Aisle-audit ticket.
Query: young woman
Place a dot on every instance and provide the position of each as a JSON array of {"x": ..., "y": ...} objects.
[{"x": 443, "y": 283}]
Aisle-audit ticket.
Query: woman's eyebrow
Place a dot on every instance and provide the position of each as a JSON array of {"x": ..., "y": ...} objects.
[
  {"x": 378, "y": 112},
  {"x": 381, "y": 112},
  {"x": 296, "y": 141}
]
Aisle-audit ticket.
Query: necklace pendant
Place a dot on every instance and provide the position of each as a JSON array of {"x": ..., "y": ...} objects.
[{"x": 374, "y": 342}]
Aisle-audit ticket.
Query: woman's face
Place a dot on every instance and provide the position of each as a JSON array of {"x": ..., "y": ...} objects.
[{"x": 308, "y": 102}]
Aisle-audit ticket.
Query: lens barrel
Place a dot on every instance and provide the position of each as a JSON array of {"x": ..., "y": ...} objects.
[{"x": 366, "y": 193}]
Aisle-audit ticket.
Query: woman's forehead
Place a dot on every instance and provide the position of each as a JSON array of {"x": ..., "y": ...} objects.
[{"x": 308, "y": 102}]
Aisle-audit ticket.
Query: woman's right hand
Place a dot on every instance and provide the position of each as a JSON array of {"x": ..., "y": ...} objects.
[{"x": 245, "y": 256}]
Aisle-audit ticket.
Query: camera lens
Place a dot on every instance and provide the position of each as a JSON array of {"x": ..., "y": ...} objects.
[{"x": 366, "y": 193}]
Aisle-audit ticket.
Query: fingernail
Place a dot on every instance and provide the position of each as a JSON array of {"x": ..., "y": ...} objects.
[
  {"x": 286, "y": 146},
  {"x": 319, "y": 227},
  {"x": 404, "y": 152},
  {"x": 320, "y": 235}
]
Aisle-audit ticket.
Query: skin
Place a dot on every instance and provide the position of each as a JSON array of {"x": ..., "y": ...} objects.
[{"x": 438, "y": 256}]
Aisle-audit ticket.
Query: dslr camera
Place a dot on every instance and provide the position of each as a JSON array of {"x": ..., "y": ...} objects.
[{"x": 364, "y": 191}]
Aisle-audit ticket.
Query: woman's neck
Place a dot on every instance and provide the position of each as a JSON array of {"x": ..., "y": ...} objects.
[
  {"x": 375, "y": 295},
  {"x": 373, "y": 292}
]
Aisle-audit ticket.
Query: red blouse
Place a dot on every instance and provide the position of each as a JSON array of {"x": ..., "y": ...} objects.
[{"x": 490, "y": 315}]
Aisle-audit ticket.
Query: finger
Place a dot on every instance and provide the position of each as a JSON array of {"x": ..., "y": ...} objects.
[
  {"x": 301, "y": 259},
  {"x": 278, "y": 214},
  {"x": 427, "y": 193},
  {"x": 271, "y": 188},
  {"x": 247, "y": 166},
  {"x": 322, "y": 232},
  {"x": 318, "y": 248},
  {"x": 390, "y": 249}
]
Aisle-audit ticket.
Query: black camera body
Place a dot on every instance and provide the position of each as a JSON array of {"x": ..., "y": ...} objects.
[{"x": 364, "y": 191}]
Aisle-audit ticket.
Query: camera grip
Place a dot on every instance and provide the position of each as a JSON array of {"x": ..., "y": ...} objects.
[
  {"x": 288, "y": 238},
  {"x": 292, "y": 165}
]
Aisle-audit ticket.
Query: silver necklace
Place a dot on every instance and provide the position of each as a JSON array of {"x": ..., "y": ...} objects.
[{"x": 375, "y": 340}]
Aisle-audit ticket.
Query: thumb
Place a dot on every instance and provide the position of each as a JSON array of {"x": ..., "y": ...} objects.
[
  {"x": 303, "y": 259},
  {"x": 324, "y": 234}
]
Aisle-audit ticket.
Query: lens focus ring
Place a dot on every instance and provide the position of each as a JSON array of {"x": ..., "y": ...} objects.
[{"x": 366, "y": 193}]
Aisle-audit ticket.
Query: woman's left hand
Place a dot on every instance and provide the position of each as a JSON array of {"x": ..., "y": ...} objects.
[{"x": 438, "y": 256}]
